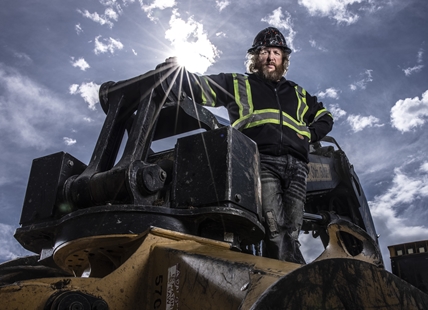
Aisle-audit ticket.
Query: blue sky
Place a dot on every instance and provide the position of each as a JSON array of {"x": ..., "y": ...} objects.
[{"x": 364, "y": 59}]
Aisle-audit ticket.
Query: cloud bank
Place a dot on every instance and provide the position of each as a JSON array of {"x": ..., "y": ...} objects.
[{"x": 409, "y": 113}]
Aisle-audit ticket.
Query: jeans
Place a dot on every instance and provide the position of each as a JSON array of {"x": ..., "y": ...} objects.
[{"x": 283, "y": 198}]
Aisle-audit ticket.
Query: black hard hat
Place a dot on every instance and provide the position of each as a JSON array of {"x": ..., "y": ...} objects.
[{"x": 270, "y": 37}]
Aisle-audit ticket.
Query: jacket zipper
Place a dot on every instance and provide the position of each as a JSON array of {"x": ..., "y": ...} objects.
[{"x": 280, "y": 122}]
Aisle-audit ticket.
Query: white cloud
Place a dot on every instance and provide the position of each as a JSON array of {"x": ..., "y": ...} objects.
[
  {"x": 191, "y": 44},
  {"x": 420, "y": 54},
  {"x": 410, "y": 113},
  {"x": 329, "y": 93},
  {"x": 314, "y": 44},
  {"x": 113, "y": 4},
  {"x": 30, "y": 112},
  {"x": 73, "y": 88},
  {"x": 402, "y": 194},
  {"x": 111, "y": 14},
  {"x": 409, "y": 71},
  {"x": 339, "y": 10},
  {"x": 278, "y": 20},
  {"x": 424, "y": 167},
  {"x": 88, "y": 91},
  {"x": 9, "y": 247},
  {"x": 81, "y": 64},
  {"x": 104, "y": 19},
  {"x": 221, "y": 5},
  {"x": 4, "y": 177},
  {"x": 78, "y": 29},
  {"x": 134, "y": 52},
  {"x": 23, "y": 57},
  {"x": 125, "y": 2},
  {"x": 69, "y": 141},
  {"x": 156, "y": 4},
  {"x": 415, "y": 69},
  {"x": 336, "y": 111},
  {"x": 110, "y": 46},
  {"x": 361, "y": 84},
  {"x": 358, "y": 122}
]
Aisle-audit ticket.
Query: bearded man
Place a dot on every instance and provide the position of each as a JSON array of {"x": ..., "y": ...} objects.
[{"x": 282, "y": 119}]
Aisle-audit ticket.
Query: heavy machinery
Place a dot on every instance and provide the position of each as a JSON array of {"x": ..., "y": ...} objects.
[{"x": 182, "y": 228}]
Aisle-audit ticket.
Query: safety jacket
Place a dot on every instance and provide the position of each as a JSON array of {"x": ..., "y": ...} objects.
[{"x": 282, "y": 118}]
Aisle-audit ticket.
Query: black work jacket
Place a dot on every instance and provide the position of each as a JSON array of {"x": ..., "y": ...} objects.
[{"x": 258, "y": 107}]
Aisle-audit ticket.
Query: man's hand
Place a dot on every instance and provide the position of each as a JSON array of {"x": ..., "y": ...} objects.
[{"x": 170, "y": 62}]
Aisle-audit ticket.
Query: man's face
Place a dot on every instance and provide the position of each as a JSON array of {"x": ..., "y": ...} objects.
[{"x": 269, "y": 63}]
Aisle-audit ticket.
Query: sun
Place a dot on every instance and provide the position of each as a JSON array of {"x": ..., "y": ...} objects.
[{"x": 192, "y": 57}]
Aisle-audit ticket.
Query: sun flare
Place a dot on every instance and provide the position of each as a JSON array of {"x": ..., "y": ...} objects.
[
  {"x": 191, "y": 45},
  {"x": 192, "y": 60}
]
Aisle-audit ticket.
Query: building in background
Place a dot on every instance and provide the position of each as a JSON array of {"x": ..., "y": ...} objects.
[{"x": 409, "y": 261}]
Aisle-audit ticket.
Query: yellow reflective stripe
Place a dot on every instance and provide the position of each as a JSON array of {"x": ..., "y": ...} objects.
[
  {"x": 270, "y": 116},
  {"x": 321, "y": 113},
  {"x": 237, "y": 95},
  {"x": 302, "y": 106},
  {"x": 306, "y": 132},
  {"x": 298, "y": 127},
  {"x": 209, "y": 97},
  {"x": 243, "y": 97},
  {"x": 240, "y": 122},
  {"x": 303, "y": 131}
]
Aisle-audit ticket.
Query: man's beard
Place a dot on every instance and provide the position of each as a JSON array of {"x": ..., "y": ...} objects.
[{"x": 264, "y": 72}]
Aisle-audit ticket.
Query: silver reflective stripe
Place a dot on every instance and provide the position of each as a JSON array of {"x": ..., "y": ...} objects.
[
  {"x": 209, "y": 96},
  {"x": 243, "y": 97}
]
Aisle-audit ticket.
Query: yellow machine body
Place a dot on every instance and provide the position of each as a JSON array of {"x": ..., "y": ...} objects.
[{"x": 162, "y": 269}]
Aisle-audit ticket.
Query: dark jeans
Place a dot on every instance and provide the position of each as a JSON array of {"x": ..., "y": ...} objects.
[{"x": 283, "y": 198}]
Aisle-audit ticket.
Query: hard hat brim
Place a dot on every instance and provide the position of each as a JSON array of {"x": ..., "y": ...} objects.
[{"x": 284, "y": 49}]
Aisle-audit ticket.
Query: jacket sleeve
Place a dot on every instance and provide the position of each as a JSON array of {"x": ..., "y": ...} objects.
[
  {"x": 320, "y": 120},
  {"x": 210, "y": 90}
]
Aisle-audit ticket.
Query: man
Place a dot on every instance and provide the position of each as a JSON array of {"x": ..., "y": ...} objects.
[{"x": 282, "y": 118}]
